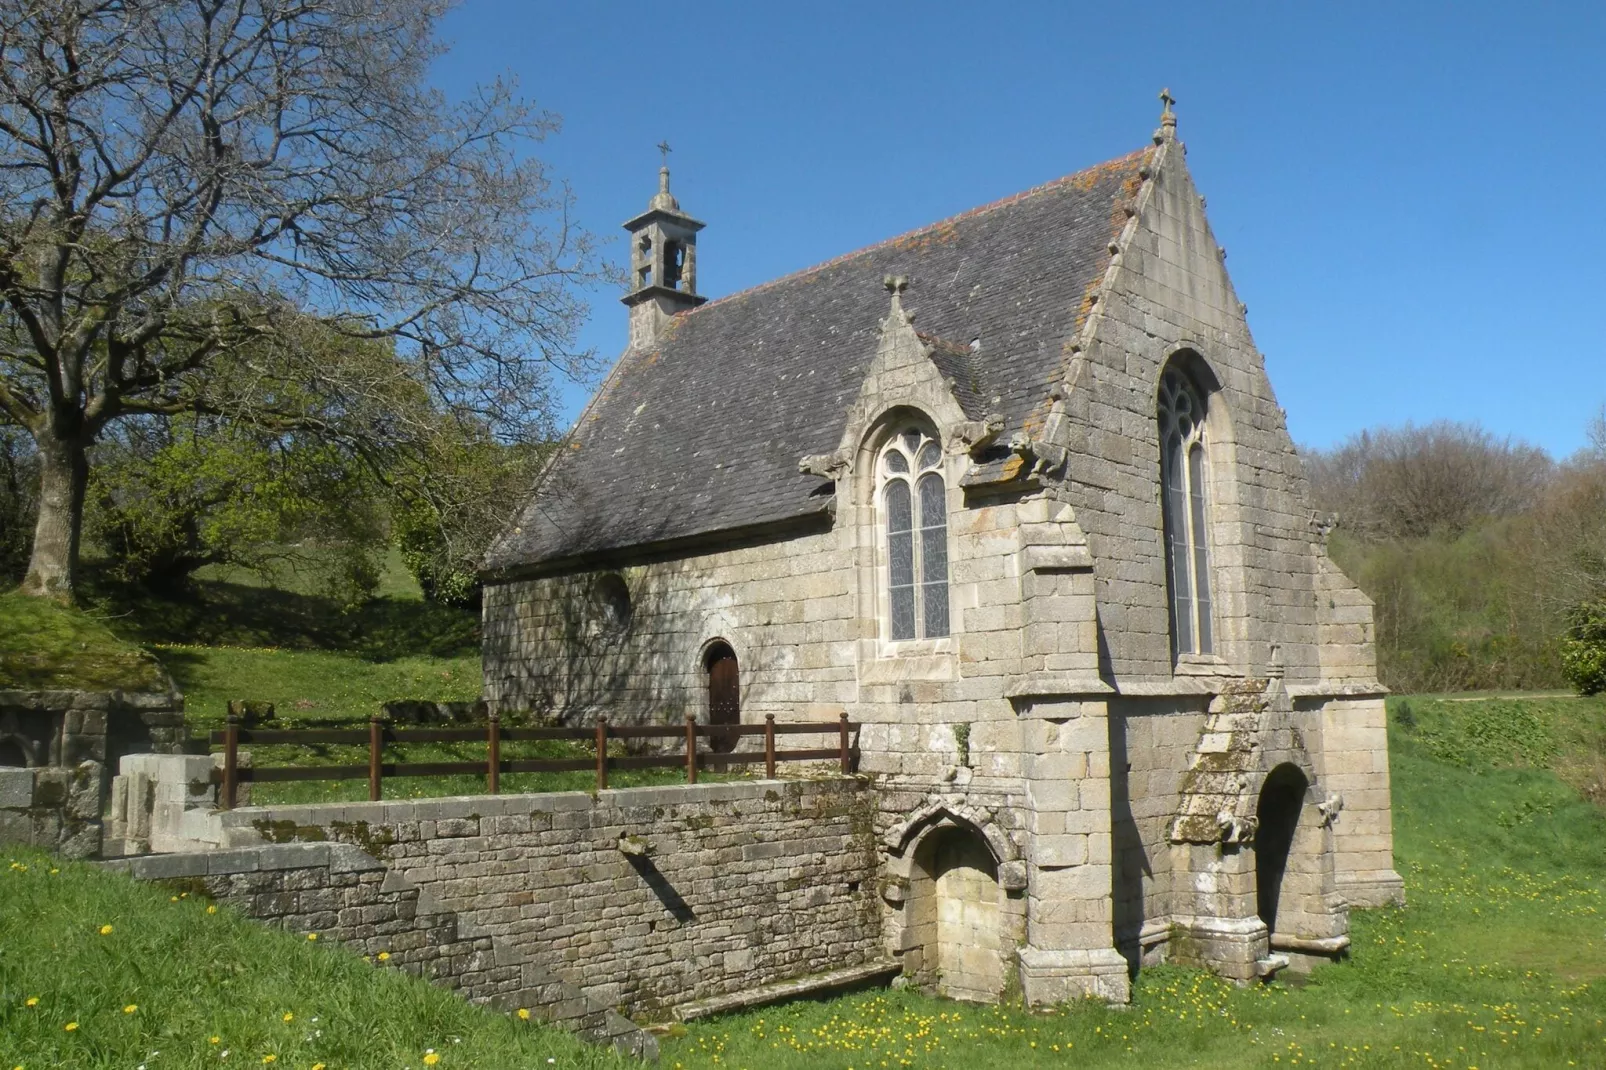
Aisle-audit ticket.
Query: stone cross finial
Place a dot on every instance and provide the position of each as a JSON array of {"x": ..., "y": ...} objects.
[
  {"x": 665, "y": 150},
  {"x": 1168, "y": 118},
  {"x": 895, "y": 284}
]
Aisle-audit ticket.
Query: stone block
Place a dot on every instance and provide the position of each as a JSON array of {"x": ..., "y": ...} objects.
[{"x": 16, "y": 788}]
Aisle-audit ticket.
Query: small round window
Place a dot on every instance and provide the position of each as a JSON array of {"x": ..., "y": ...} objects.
[{"x": 611, "y": 601}]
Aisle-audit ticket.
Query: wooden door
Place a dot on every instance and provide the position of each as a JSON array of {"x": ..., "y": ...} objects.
[{"x": 724, "y": 695}]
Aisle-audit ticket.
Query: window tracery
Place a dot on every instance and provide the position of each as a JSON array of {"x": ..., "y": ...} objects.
[
  {"x": 1185, "y": 509},
  {"x": 915, "y": 516}
]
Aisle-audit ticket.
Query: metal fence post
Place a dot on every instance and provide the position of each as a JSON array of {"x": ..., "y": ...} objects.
[
  {"x": 494, "y": 759},
  {"x": 691, "y": 749},
  {"x": 376, "y": 745},
  {"x": 231, "y": 760},
  {"x": 847, "y": 758},
  {"x": 602, "y": 753}
]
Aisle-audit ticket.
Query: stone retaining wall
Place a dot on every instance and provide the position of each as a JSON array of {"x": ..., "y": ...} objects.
[
  {"x": 344, "y": 894},
  {"x": 642, "y": 898}
]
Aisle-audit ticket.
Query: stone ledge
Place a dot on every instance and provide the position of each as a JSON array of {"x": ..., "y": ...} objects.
[
  {"x": 783, "y": 990},
  {"x": 1056, "y": 685},
  {"x": 1326, "y": 689}
]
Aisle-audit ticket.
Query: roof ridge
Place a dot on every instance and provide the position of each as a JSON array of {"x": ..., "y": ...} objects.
[{"x": 991, "y": 206}]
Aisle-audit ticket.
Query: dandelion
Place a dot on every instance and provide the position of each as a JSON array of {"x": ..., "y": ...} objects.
[
  {"x": 31, "y": 1001},
  {"x": 212, "y": 909},
  {"x": 105, "y": 930},
  {"x": 312, "y": 936},
  {"x": 524, "y": 1014},
  {"x": 289, "y": 1017},
  {"x": 270, "y": 1058},
  {"x": 384, "y": 956},
  {"x": 71, "y": 1027},
  {"x": 317, "y": 1066},
  {"x": 430, "y": 1058},
  {"x": 214, "y": 1040},
  {"x": 131, "y": 1008}
]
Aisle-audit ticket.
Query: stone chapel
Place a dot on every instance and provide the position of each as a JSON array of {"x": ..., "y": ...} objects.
[{"x": 1014, "y": 492}]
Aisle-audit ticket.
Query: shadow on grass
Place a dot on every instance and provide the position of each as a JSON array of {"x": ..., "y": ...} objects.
[{"x": 219, "y": 613}]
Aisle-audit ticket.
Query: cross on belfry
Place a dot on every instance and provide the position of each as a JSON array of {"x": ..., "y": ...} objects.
[
  {"x": 1168, "y": 99},
  {"x": 663, "y": 147}
]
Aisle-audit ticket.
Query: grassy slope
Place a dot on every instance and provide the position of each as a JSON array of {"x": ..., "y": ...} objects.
[
  {"x": 169, "y": 977},
  {"x": 47, "y": 646}
]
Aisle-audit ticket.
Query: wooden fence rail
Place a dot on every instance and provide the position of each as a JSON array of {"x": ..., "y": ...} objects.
[{"x": 493, "y": 735}]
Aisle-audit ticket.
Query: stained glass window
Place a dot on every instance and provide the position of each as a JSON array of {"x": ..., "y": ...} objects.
[
  {"x": 1185, "y": 512},
  {"x": 915, "y": 501}
]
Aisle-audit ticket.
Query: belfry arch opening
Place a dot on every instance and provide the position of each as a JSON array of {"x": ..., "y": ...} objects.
[
  {"x": 724, "y": 681},
  {"x": 1282, "y": 798}
]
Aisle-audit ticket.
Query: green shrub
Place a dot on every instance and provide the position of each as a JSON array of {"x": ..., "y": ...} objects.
[{"x": 1583, "y": 648}]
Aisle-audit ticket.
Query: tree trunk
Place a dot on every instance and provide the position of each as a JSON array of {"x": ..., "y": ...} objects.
[{"x": 63, "y": 476}]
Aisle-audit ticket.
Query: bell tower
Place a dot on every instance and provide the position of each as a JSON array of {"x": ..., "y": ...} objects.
[{"x": 663, "y": 262}]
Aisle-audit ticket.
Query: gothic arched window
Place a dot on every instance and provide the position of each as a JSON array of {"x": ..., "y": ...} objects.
[
  {"x": 914, "y": 505},
  {"x": 1185, "y": 512}
]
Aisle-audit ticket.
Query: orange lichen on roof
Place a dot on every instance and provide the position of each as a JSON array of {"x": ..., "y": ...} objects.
[{"x": 932, "y": 232}]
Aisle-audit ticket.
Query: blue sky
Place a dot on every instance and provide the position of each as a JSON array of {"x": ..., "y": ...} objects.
[{"x": 1411, "y": 195}]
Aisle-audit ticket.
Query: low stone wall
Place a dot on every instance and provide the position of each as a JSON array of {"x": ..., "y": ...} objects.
[
  {"x": 642, "y": 898},
  {"x": 344, "y": 894},
  {"x": 52, "y": 807}
]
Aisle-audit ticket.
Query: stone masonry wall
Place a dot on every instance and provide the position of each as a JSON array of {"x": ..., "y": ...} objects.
[
  {"x": 643, "y": 898},
  {"x": 345, "y": 895},
  {"x": 53, "y": 807}
]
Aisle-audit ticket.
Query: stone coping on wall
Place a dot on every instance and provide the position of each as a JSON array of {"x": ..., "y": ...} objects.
[
  {"x": 1066, "y": 685},
  {"x": 244, "y": 825}
]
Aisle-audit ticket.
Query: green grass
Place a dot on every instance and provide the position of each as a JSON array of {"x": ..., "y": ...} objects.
[
  {"x": 1499, "y": 960},
  {"x": 44, "y": 646},
  {"x": 173, "y": 986}
]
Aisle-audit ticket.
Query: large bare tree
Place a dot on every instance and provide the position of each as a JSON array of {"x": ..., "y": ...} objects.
[{"x": 185, "y": 181}]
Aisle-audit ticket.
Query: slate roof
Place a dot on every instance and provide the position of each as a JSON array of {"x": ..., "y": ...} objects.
[{"x": 703, "y": 433}]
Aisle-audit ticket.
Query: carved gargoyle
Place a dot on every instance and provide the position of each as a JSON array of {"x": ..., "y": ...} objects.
[
  {"x": 1044, "y": 458},
  {"x": 973, "y": 435},
  {"x": 833, "y": 465},
  {"x": 1235, "y": 829},
  {"x": 1329, "y": 809}
]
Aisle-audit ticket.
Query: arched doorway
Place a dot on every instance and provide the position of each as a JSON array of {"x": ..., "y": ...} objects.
[
  {"x": 724, "y": 694},
  {"x": 1281, "y": 799},
  {"x": 965, "y": 941}
]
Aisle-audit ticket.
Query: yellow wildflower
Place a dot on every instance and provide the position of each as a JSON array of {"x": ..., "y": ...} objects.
[
  {"x": 430, "y": 1058},
  {"x": 214, "y": 1040},
  {"x": 131, "y": 1008},
  {"x": 31, "y": 1001},
  {"x": 212, "y": 909},
  {"x": 312, "y": 936},
  {"x": 270, "y": 1058},
  {"x": 524, "y": 1013},
  {"x": 384, "y": 956},
  {"x": 105, "y": 930},
  {"x": 289, "y": 1017},
  {"x": 70, "y": 1026}
]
